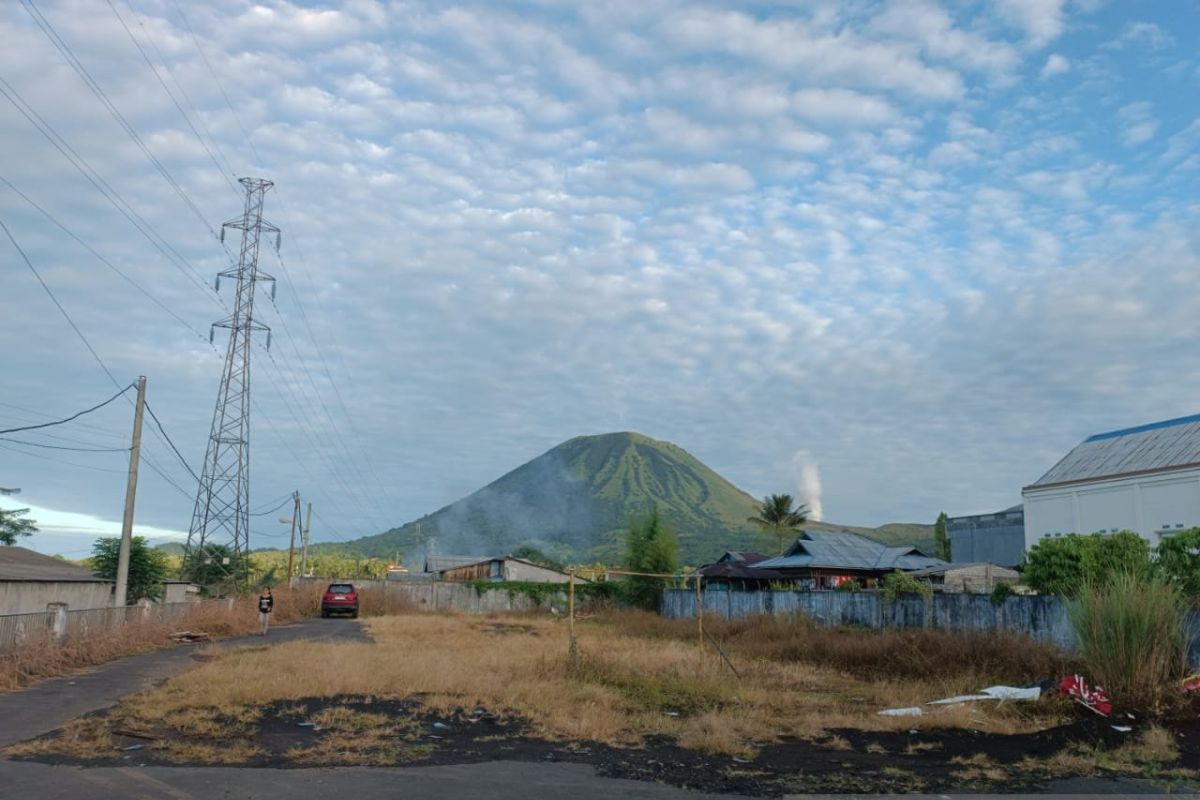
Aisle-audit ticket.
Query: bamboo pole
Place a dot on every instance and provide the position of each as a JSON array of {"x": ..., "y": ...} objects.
[
  {"x": 699, "y": 613},
  {"x": 572, "y": 649}
]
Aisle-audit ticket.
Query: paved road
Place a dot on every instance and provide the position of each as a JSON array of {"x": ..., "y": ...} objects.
[{"x": 45, "y": 706}]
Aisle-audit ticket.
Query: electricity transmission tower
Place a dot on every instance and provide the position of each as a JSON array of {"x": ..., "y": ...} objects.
[{"x": 219, "y": 538}]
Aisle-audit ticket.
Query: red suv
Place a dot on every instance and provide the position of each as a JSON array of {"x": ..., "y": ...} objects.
[{"x": 340, "y": 597}]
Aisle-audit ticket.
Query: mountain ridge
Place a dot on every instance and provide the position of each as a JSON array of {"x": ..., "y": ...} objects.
[{"x": 574, "y": 501}]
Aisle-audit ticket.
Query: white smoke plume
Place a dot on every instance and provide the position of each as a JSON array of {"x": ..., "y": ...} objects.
[{"x": 808, "y": 484}]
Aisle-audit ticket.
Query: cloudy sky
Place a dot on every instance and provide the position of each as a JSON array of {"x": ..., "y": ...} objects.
[{"x": 920, "y": 249}]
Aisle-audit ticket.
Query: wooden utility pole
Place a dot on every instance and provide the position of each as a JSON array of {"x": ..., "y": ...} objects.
[
  {"x": 304, "y": 542},
  {"x": 135, "y": 452},
  {"x": 292, "y": 543},
  {"x": 699, "y": 612}
]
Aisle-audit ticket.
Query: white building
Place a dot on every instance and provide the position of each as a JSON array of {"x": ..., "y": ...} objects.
[{"x": 1144, "y": 479}]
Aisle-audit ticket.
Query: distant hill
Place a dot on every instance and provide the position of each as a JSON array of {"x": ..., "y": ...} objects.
[
  {"x": 574, "y": 502},
  {"x": 171, "y": 548}
]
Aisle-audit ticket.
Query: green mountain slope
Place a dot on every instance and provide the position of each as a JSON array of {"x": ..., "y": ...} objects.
[{"x": 574, "y": 501}]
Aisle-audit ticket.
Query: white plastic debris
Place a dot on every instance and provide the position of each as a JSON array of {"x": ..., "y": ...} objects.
[
  {"x": 992, "y": 693},
  {"x": 911, "y": 711},
  {"x": 1122, "y": 728}
]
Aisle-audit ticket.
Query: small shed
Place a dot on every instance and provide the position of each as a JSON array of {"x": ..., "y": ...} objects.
[
  {"x": 979, "y": 577},
  {"x": 737, "y": 570},
  {"x": 180, "y": 592},
  {"x": 435, "y": 563},
  {"x": 29, "y": 581},
  {"x": 505, "y": 568}
]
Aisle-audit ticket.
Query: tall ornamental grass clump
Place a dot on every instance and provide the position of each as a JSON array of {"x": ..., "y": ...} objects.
[{"x": 1133, "y": 639}]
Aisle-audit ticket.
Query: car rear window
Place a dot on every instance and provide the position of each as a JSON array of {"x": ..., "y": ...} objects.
[{"x": 341, "y": 588}]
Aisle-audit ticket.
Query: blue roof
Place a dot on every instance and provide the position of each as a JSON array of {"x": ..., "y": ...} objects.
[
  {"x": 845, "y": 550},
  {"x": 1170, "y": 444}
]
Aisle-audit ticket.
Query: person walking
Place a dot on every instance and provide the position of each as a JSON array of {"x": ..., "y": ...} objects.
[{"x": 266, "y": 602}]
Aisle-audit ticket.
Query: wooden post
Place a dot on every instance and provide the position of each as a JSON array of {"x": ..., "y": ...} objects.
[
  {"x": 699, "y": 613},
  {"x": 572, "y": 648}
]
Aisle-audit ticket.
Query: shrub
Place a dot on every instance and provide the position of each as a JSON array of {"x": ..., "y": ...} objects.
[
  {"x": 1065, "y": 565},
  {"x": 1001, "y": 592},
  {"x": 851, "y": 585},
  {"x": 1132, "y": 638},
  {"x": 898, "y": 583},
  {"x": 1179, "y": 560}
]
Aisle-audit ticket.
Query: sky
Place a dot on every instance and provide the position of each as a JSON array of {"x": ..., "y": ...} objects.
[{"x": 893, "y": 257}]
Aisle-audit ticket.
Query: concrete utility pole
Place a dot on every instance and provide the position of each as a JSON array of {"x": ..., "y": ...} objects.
[
  {"x": 292, "y": 543},
  {"x": 304, "y": 542},
  {"x": 135, "y": 452}
]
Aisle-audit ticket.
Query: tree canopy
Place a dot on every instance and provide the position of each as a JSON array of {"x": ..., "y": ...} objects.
[
  {"x": 1065, "y": 565},
  {"x": 650, "y": 547},
  {"x": 148, "y": 568},
  {"x": 777, "y": 515},
  {"x": 941, "y": 542},
  {"x": 13, "y": 525}
]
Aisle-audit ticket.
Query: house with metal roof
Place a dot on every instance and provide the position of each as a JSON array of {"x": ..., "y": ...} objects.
[
  {"x": 30, "y": 581},
  {"x": 1144, "y": 479},
  {"x": 739, "y": 570},
  {"x": 826, "y": 559}
]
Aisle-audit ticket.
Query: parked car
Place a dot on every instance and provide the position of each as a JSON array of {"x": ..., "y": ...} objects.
[{"x": 340, "y": 597}]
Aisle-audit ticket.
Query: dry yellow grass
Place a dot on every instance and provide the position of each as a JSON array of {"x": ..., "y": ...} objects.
[
  {"x": 619, "y": 688},
  {"x": 43, "y": 658}
]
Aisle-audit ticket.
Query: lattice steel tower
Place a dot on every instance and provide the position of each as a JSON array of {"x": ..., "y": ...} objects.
[{"x": 219, "y": 538}]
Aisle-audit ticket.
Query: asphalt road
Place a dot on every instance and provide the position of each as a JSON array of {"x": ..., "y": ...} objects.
[{"x": 47, "y": 705}]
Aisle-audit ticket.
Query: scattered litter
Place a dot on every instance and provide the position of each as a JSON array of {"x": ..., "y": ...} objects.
[
  {"x": 433, "y": 736},
  {"x": 1122, "y": 728},
  {"x": 306, "y": 724},
  {"x": 441, "y": 726},
  {"x": 134, "y": 734},
  {"x": 993, "y": 693},
  {"x": 742, "y": 760},
  {"x": 186, "y": 637},
  {"x": 132, "y": 747},
  {"x": 1192, "y": 684},
  {"x": 672, "y": 713},
  {"x": 1094, "y": 699},
  {"x": 912, "y": 711}
]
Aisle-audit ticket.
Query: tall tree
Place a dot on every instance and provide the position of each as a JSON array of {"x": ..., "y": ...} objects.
[
  {"x": 777, "y": 516},
  {"x": 12, "y": 525},
  {"x": 148, "y": 568},
  {"x": 650, "y": 547},
  {"x": 941, "y": 543}
]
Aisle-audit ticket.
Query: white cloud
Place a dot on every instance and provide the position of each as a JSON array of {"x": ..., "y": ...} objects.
[
  {"x": 1041, "y": 20},
  {"x": 1056, "y": 64},
  {"x": 1138, "y": 124}
]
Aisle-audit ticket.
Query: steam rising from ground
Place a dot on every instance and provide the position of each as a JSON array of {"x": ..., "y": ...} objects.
[{"x": 808, "y": 484}]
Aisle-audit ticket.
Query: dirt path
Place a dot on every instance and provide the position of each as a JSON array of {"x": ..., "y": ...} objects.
[{"x": 45, "y": 706}]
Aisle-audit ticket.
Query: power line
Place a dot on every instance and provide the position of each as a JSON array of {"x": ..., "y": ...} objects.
[
  {"x": 73, "y": 416},
  {"x": 273, "y": 510},
  {"x": 170, "y": 443},
  {"x": 70, "y": 321},
  {"x": 59, "y": 460},
  {"x": 60, "y": 447}
]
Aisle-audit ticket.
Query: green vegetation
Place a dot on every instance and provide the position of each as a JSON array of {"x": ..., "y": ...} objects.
[
  {"x": 13, "y": 525},
  {"x": 776, "y": 515},
  {"x": 651, "y": 548},
  {"x": 541, "y": 593},
  {"x": 1001, "y": 592},
  {"x": 217, "y": 569},
  {"x": 897, "y": 583},
  {"x": 1132, "y": 637},
  {"x": 148, "y": 568},
  {"x": 941, "y": 543},
  {"x": 1179, "y": 560},
  {"x": 572, "y": 504},
  {"x": 535, "y": 556}
]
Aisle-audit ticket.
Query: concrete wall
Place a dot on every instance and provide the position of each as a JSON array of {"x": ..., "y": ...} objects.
[
  {"x": 1152, "y": 505},
  {"x": 997, "y": 538},
  {"x": 440, "y": 596},
  {"x": 24, "y": 597},
  {"x": 1041, "y": 617}
]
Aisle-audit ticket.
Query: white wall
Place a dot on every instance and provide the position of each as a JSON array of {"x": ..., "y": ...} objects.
[{"x": 1151, "y": 505}]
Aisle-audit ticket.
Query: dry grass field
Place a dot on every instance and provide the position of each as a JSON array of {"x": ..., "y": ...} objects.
[{"x": 639, "y": 693}]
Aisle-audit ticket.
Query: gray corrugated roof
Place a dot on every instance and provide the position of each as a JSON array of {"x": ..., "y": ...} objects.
[
  {"x": 437, "y": 563},
  {"x": 1159, "y": 445},
  {"x": 21, "y": 564},
  {"x": 837, "y": 550}
]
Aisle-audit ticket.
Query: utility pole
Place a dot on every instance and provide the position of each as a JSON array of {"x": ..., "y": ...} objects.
[
  {"x": 304, "y": 542},
  {"x": 221, "y": 516},
  {"x": 292, "y": 543},
  {"x": 135, "y": 451}
]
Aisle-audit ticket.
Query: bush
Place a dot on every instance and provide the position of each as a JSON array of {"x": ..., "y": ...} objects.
[
  {"x": 851, "y": 585},
  {"x": 1179, "y": 560},
  {"x": 1065, "y": 565},
  {"x": 1132, "y": 638},
  {"x": 898, "y": 583},
  {"x": 1002, "y": 592}
]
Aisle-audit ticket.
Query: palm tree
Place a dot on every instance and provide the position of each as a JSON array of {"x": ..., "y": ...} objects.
[{"x": 776, "y": 514}]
